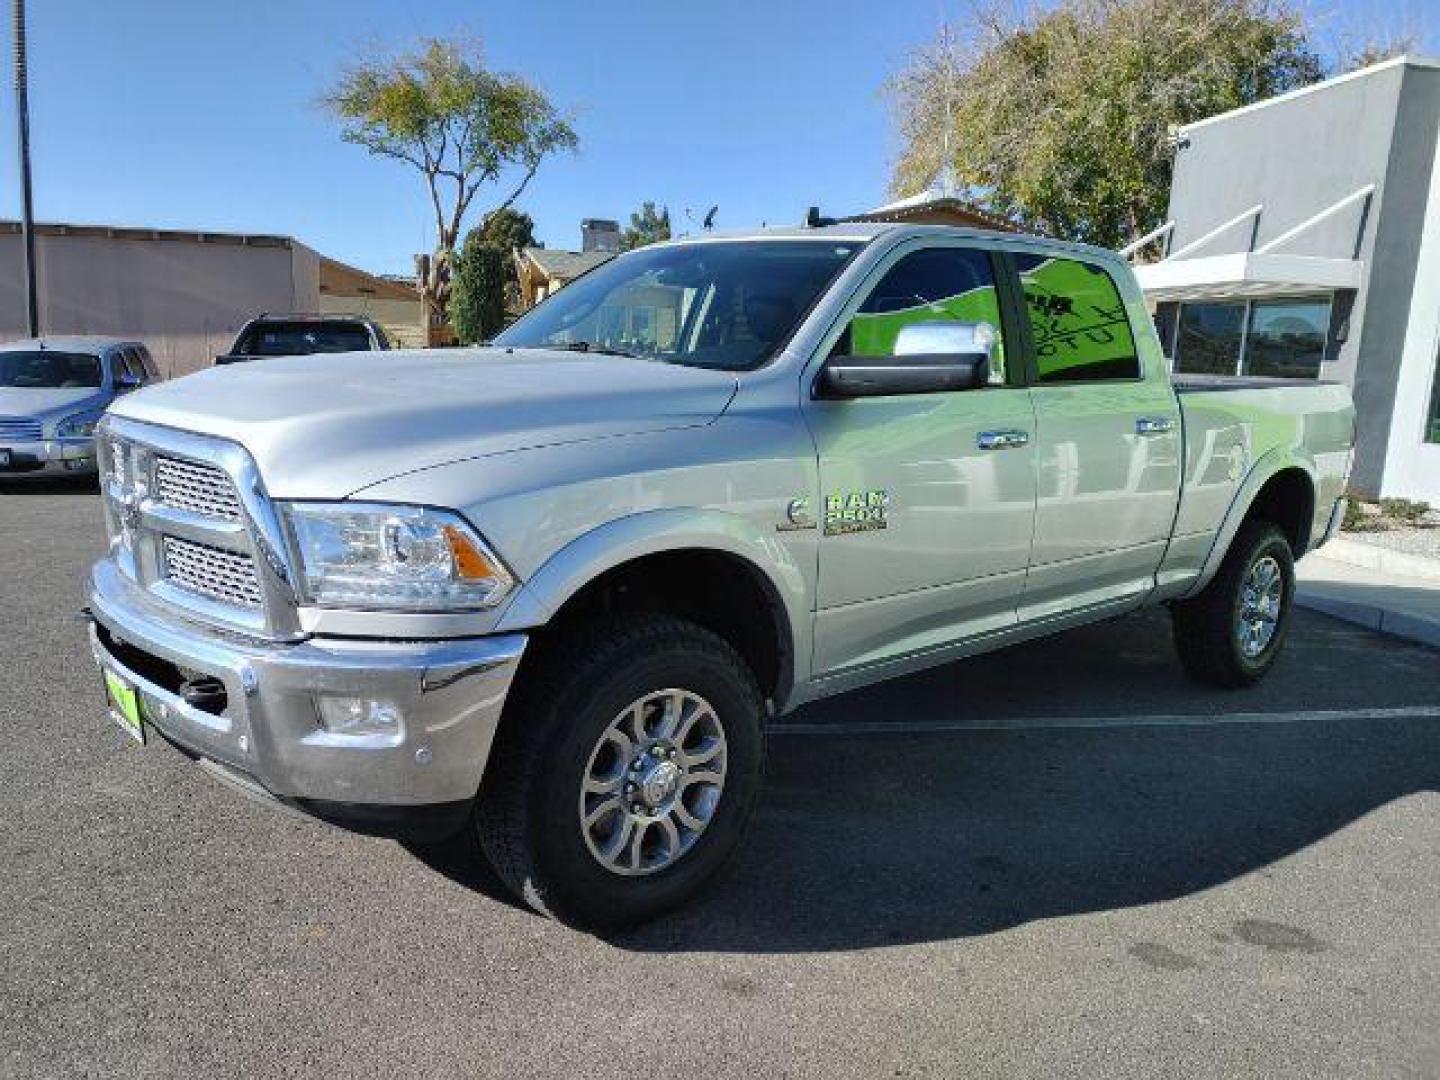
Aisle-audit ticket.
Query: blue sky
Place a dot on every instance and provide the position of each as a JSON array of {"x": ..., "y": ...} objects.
[{"x": 198, "y": 114}]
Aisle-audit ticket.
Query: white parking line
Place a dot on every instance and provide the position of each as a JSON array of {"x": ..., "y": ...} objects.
[{"x": 1034, "y": 723}]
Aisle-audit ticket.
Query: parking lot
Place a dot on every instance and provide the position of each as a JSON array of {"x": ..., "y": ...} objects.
[{"x": 1085, "y": 863}]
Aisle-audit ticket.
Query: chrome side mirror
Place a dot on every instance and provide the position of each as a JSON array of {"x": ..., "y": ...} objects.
[{"x": 943, "y": 338}]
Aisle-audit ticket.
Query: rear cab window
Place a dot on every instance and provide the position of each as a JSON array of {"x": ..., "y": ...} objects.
[{"x": 1078, "y": 322}]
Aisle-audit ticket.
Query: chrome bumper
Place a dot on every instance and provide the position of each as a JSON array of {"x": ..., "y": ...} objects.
[
  {"x": 49, "y": 457},
  {"x": 450, "y": 695}
]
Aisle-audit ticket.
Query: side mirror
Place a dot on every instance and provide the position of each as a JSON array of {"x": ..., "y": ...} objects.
[
  {"x": 127, "y": 381},
  {"x": 929, "y": 358}
]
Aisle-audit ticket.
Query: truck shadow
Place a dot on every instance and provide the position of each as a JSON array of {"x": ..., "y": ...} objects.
[
  {"x": 882, "y": 840},
  {"x": 890, "y": 838}
]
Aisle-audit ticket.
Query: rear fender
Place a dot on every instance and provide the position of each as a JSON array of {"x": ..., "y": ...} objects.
[{"x": 1260, "y": 474}]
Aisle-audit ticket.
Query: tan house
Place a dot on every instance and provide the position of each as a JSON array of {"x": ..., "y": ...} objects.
[
  {"x": 185, "y": 293},
  {"x": 543, "y": 271},
  {"x": 394, "y": 303}
]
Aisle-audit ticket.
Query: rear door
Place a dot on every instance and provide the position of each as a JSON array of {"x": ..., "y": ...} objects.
[
  {"x": 1107, "y": 428},
  {"x": 925, "y": 521}
]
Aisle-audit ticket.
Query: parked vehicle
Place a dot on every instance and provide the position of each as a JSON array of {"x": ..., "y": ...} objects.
[
  {"x": 553, "y": 590},
  {"x": 52, "y": 393},
  {"x": 304, "y": 335}
]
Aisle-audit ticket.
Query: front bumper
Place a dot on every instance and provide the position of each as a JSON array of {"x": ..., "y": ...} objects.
[
  {"x": 48, "y": 457},
  {"x": 267, "y": 734}
]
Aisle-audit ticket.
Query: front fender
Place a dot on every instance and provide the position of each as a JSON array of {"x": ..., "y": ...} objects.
[
  {"x": 654, "y": 532},
  {"x": 1261, "y": 472}
]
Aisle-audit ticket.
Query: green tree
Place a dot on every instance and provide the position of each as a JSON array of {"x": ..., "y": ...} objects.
[
  {"x": 1063, "y": 120},
  {"x": 483, "y": 279},
  {"x": 477, "y": 302},
  {"x": 441, "y": 111},
  {"x": 648, "y": 226},
  {"x": 508, "y": 229}
]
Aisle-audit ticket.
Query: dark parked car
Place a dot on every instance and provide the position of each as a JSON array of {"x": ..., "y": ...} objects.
[{"x": 302, "y": 335}]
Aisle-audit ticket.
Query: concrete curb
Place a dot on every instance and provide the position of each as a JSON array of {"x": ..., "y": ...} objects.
[
  {"x": 1383, "y": 560},
  {"x": 1408, "y": 626}
]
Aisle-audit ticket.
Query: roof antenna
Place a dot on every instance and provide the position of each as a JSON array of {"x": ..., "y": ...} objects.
[{"x": 813, "y": 220}]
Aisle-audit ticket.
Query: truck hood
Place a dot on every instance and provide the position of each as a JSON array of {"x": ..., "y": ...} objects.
[
  {"x": 48, "y": 405},
  {"x": 327, "y": 426}
]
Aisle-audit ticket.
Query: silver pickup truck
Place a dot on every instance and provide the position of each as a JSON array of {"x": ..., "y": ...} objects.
[{"x": 552, "y": 591}]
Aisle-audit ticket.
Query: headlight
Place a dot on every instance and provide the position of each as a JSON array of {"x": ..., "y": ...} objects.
[
  {"x": 409, "y": 558},
  {"x": 77, "y": 426}
]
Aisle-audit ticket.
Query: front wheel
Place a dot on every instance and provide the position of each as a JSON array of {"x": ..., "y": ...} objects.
[
  {"x": 1231, "y": 633},
  {"x": 625, "y": 775}
]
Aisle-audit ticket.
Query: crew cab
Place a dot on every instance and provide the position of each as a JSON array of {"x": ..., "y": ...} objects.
[
  {"x": 304, "y": 335},
  {"x": 552, "y": 591}
]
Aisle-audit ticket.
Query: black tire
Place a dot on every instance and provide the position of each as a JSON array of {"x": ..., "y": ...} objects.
[
  {"x": 1205, "y": 626},
  {"x": 527, "y": 813}
]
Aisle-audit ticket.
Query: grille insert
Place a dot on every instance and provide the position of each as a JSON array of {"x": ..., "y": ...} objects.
[
  {"x": 212, "y": 573},
  {"x": 19, "y": 428},
  {"x": 200, "y": 489}
]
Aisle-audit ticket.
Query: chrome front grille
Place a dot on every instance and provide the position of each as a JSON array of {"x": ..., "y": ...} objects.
[
  {"x": 190, "y": 524},
  {"x": 200, "y": 489},
  {"x": 19, "y": 428},
  {"x": 226, "y": 576}
]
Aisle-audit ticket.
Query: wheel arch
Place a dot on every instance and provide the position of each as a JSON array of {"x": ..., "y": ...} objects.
[
  {"x": 1281, "y": 488},
  {"x": 713, "y": 567}
]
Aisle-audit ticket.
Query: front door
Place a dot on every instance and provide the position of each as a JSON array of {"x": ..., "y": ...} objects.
[{"x": 925, "y": 514}]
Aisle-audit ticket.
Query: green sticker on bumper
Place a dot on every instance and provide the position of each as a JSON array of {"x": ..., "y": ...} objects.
[{"x": 127, "y": 704}]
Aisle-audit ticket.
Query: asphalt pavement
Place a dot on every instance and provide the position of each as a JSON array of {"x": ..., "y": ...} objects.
[{"x": 1062, "y": 859}]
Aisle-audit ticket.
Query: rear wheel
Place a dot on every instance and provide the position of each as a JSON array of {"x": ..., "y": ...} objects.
[
  {"x": 1230, "y": 634},
  {"x": 625, "y": 772}
]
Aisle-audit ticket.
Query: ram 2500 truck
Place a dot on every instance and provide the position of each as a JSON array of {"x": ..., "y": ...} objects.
[{"x": 552, "y": 591}]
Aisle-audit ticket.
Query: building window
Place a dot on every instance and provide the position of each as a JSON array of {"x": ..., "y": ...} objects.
[
  {"x": 1286, "y": 338},
  {"x": 1209, "y": 339},
  {"x": 1432, "y": 426},
  {"x": 1271, "y": 338}
]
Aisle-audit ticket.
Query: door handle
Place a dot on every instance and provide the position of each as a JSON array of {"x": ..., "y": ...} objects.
[
  {"x": 1000, "y": 440},
  {"x": 1154, "y": 425}
]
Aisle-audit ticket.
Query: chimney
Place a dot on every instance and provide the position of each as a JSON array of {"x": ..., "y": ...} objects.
[{"x": 599, "y": 234}]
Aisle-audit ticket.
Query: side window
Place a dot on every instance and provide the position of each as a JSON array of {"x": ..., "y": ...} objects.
[
  {"x": 135, "y": 365},
  {"x": 935, "y": 284},
  {"x": 1078, "y": 321},
  {"x": 147, "y": 363}
]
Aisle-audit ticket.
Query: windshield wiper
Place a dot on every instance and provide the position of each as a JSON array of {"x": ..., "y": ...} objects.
[{"x": 590, "y": 346}]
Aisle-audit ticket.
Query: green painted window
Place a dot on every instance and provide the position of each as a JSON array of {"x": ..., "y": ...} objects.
[
  {"x": 935, "y": 284},
  {"x": 1078, "y": 321}
]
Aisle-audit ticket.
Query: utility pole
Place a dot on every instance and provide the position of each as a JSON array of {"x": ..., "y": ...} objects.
[{"x": 27, "y": 209}]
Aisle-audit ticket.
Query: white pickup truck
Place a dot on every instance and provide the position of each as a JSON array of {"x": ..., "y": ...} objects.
[{"x": 552, "y": 591}]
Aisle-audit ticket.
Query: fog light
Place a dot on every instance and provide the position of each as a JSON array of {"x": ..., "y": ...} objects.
[
  {"x": 359, "y": 716},
  {"x": 77, "y": 464}
]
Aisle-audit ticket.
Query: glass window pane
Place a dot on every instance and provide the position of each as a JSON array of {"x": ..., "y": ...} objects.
[
  {"x": 1078, "y": 321},
  {"x": 1209, "y": 339},
  {"x": 1432, "y": 429},
  {"x": 1287, "y": 338},
  {"x": 933, "y": 285}
]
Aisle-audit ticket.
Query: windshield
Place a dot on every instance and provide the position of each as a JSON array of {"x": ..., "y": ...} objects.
[
  {"x": 44, "y": 370},
  {"x": 303, "y": 338},
  {"x": 719, "y": 304}
]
